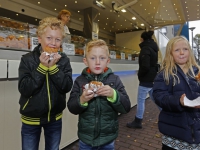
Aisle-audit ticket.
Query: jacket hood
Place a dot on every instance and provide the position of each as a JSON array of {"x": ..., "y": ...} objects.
[
  {"x": 87, "y": 73},
  {"x": 149, "y": 43}
]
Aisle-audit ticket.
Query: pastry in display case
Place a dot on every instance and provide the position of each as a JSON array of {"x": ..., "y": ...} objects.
[
  {"x": 79, "y": 43},
  {"x": 115, "y": 51},
  {"x": 13, "y": 34}
]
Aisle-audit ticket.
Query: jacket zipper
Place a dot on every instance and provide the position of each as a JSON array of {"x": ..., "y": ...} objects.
[
  {"x": 26, "y": 104},
  {"x": 192, "y": 133},
  {"x": 49, "y": 97}
]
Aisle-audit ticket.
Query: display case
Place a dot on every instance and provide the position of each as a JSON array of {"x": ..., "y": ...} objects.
[
  {"x": 15, "y": 34},
  {"x": 118, "y": 52},
  {"x": 79, "y": 43}
]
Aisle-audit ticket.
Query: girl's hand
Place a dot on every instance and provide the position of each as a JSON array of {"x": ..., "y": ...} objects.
[
  {"x": 182, "y": 99},
  {"x": 86, "y": 96},
  {"x": 105, "y": 91}
]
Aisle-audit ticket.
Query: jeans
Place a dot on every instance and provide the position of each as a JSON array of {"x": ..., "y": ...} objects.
[
  {"x": 31, "y": 135},
  {"x": 109, "y": 146},
  {"x": 141, "y": 97}
]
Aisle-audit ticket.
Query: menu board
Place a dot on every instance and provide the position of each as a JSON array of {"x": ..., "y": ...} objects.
[
  {"x": 34, "y": 43},
  {"x": 113, "y": 54},
  {"x": 129, "y": 57},
  {"x": 122, "y": 55},
  {"x": 68, "y": 49}
]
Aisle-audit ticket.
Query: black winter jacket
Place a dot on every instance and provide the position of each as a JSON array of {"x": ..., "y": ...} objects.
[
  {"x": 43, "y": 91},
  {"x": 148, "y": 59},
  {"x": 175, "y": 120},
  {"x": 98, "y": 124}
]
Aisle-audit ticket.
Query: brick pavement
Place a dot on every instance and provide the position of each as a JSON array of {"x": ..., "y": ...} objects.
[{"x": 147, "y": 138}]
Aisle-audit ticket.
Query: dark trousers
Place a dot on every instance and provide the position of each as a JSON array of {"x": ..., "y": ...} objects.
[{"x": 165, "y": 147}]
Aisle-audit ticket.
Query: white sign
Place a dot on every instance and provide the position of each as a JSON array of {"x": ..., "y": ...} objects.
[
  {"x": 34, "y": 43},
  {"x": 129, "y": 57},
  {"x": 122, "y": 55},
  {"x": 69, "y": 49},
  {"x": 113, "y": 54},
  {"x": 94, "y": 35}
]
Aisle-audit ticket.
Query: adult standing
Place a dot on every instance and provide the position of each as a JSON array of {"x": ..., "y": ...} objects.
[
  {"x": 148, "y": 59},
  {"x": 64, "y": 15}
]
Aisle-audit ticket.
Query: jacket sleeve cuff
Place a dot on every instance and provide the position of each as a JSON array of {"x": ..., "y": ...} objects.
[
  {"x": 42, "y": 69},
  {"x": 84, "y": 104},
  {"x": 114, "y": 98},
  {"x": 53, "y": 69}
]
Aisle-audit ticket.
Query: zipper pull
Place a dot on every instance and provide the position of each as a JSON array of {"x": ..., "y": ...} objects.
[{"x": 95, "y": 78}]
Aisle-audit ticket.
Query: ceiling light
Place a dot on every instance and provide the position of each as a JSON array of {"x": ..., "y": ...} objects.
[
  {"x": 133, "y": 18},
  {"x": 38, "y": 2},
  {"x": 55, "y": 9},
  {"x": 78, "y": 11},
  {"x": 123, "y": 10},
  {"x": 65, "y": 5},
  {"x": 75, "y": 1},
  {"x": 99, "y": 4},
  {"x": 142, "y": 24}
]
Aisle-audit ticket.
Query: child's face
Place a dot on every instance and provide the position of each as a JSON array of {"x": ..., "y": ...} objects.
[
  {"x": 180, "y": 53},
  {"x": 51, "y": 38},
  {"x": 97, "y": 60}
]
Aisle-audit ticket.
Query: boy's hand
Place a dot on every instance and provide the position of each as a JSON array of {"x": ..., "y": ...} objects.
[
  {"x": 86, "y": 96},
  {"x": 56, "y": 58},
  {"x": 44, "y": 59},
  {"x": 105, "y": 91}
]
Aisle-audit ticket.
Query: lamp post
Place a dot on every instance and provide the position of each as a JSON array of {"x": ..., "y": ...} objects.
[{"x": 192, "y": 28}]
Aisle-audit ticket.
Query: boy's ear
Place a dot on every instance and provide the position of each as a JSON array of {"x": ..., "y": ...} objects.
[
  {"x": 108, "y": 60},
  {"x": 39, "y": 39},
  {"x": 85, "y": 61}
]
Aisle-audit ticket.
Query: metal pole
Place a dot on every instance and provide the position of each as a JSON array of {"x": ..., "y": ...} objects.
[
  {"x": 192, "y": 28},
  {"x": 192, "y": 39}
]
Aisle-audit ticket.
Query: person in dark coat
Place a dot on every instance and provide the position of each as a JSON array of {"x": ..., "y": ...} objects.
[
  {"x": 98, "y": 106},
  {"x": 45, "y": 76},
  {"x": 148, "y": 59},
  {"x": 179, "y": 122}
]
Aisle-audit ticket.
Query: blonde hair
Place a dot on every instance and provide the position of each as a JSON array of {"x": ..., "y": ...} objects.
[
  {"x": 51, "y": 22},
  {"x": 96, "y": 43},
  {"x": 63, "y": 12},
  {"x": 169, "y": 65}
]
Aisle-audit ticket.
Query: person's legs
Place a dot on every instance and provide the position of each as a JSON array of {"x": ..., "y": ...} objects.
[
  {"x": 109, "y": 146},
  {"x": 84, "y": 146},
  {"x": 141, "y": 97},
  {"x": 30, "y": 136},
  {"x": 52, "y": 134}
]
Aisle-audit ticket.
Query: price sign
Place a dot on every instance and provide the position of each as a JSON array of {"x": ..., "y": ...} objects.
[
  {"x": 113, "y": 54},
  {"x": 129, "y": 57},
  {"x": 68, "y": 49},
  {"x": 122, "y": 55},
  {"x": 34, "y": 42}
]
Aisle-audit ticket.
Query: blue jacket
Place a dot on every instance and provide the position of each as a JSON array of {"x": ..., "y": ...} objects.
[{"x": 176, "y": 120}]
